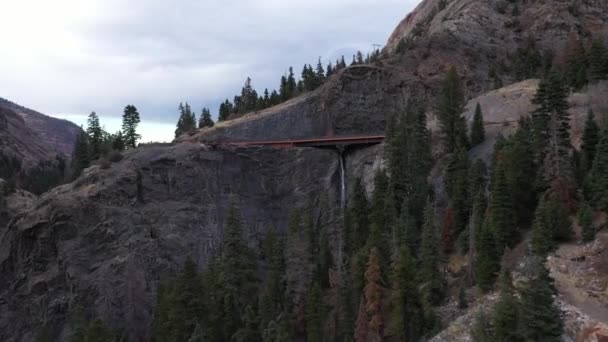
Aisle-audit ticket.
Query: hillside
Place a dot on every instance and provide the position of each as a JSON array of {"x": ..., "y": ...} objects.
[
  {"x": 58, "y": 135},
  {"x": 192, "y": 240}
]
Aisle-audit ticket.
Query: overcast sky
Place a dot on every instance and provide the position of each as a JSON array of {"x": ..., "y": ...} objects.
[{"x": 68, "y": 57}]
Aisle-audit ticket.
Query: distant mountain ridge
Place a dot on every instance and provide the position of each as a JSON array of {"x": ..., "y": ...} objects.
[{"x": 54, "y": 136}]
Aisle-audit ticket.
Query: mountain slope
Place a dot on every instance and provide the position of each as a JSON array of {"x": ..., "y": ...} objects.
[
  {"x": 103, "y": 243},
  {"x": 49, "y": 136},
  {"x": 484, "y": 40}
]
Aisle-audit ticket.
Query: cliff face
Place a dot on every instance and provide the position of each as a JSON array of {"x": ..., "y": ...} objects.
[
  {"x": 104, "y": 242},
  {"x": 480, "y": 38},
  {"x": 92, "y": 243}
]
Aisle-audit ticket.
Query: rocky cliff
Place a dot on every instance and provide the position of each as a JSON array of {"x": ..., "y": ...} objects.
[
  {"x": 103, "y": 242},
  {"x": 485, "y": 40}
]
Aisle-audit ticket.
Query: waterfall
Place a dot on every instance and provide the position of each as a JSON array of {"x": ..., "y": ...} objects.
[{"x": 342, "y": 181}]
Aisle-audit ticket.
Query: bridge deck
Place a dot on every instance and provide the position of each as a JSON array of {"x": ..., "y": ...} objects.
[{"x": 316, "y": 142}]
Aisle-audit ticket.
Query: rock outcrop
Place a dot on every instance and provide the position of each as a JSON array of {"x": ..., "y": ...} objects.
[
  {"x": 104, "y": 241},
  {"x": 480, "y": 38}
]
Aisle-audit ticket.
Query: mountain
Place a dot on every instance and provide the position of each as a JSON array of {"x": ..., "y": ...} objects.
[
  {"x": 484, "y": 40},
  {"x": 101, "y": 247},
  {"x": 58, "y": 135}
]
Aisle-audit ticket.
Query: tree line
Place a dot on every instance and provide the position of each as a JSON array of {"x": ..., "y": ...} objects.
[
  {"x": 95, "y": 142},
  {"x": 250, "y": 100}
]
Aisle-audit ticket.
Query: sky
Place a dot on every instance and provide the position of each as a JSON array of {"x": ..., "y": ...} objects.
[{"x": 66, "y": 58}]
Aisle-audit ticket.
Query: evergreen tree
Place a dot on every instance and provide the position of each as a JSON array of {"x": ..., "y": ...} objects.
[
  {"x": 319, "y": 74},
  {"x": 527, "y": 60},
  {"x": 273, "y": 288},
  {"x": 80, "y": 155},
  {"x": 598, "y": 67},
  {"x": 517, "y": 161},
  {"x": 407, "y": 311},
  {"x": 541, "y": 318},
  {"x": 179, "y": 306},
  {"x": 598, "y": 177},
  {"x": 590, "y": 141},
  {"x": 130, "y": 120},
  {"x": 500, "y": 212},
  {"x": 291, "y": 84},
  {"x": 429, "y": 260},
  {"x": 477, "y": 129},
  {"x": 585, "y": 221},
  {"x": 551, "y": 127},
  {"x": 374, "y": 293},
  {"x": 299, "y": 263},
  {"x": 551, "y": 225},
  {"x": 95, "y": 134},
  {"x": 118, "y": 141},
  {"x": 359, "y": 214},
  {"x": 314, "y": 315},
  {"x": 226, "y": 109},
  {"x": 487, "y": 263},
  {"x": 187, "y": 120},
  {"x": 449, "y": 111},
  {"x": 205, "y": 119},
  {"x": 237, "y": 276},
  {"x": 506, "y": 312}
]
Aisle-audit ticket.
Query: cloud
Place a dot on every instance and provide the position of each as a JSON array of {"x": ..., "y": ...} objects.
[{"x": 71, "y": 56}]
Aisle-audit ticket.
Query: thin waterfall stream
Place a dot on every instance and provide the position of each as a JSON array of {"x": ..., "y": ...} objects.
[{"x": 342, "y": 181}]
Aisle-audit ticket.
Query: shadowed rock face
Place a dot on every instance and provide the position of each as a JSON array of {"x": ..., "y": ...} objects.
[{"x": 92, "y": 243}]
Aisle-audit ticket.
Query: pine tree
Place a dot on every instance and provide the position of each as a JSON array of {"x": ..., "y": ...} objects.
[
  {"x": 598, "y": 177},
  {"x": 407, "y": 314},
  {"x": 226, "y": 109},
  {"x": 585, "y": 221},
  {"x": 590, "y": 141},
  {"x": 449, "y": 111},
  {"x": 500, "y": 212},
  {"x": 447, "y": 232},
  {"x": 359, "y": 214},
  {"x": 299, "y": 262},
  {"x": 80, "y": 155},
  {"x": 319, "y": 74},
  {"x": 551, "y": 225},
  {"x": 541, "y": 318},
  {"x": 237, "y": 276},
  {"x": 374, "y": 293},
  {"x": 95, "y": 134},
  {"x": 205, "y": 119},
  {"x": 291, "y": 84},
  {"x": 118, "y": 141},
  {"x": 506, "y": 312},
  {"x": 551, "y": 127},
  {"x": 187, "y": 120},
  {"x": 517, "y": 156},
  {"x": 487, "y": 263},
  {"x": 314, "y": 315},
  {"x": 477, "y": 129},
  {"x": 130, "y": 120},
  {"x": 429, "y": 259},
  {"x": 598, "y": 67}
]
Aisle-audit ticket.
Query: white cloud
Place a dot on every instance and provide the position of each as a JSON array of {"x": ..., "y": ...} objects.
[{"x": 72, "y": 56}]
